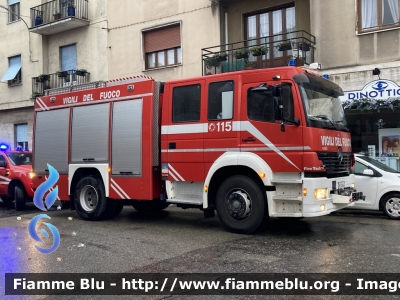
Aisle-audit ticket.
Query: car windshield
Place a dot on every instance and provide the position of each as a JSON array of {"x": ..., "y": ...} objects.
[
  {"x": 322, "y": 105},
  {"x": 378, "y": 164},
  {"x": 19, "y": 159}
]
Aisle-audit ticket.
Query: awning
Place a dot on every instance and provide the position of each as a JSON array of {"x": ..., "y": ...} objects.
[
  {"x": 13, "y": 69},
  {"x": 11, "y": 2}
]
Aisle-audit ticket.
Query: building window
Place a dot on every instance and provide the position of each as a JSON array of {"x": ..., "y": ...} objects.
[
  {"x": 162, "y": 47},
  {"x": 21, "y": 134},
  {"x": 13, "y": 74},
  {"x": 377, "y": 14},
  {"x": 279, "y": 23},
  {"x": 14, "y": 11},
  {"x": 68, "y": 63},
  {"x": 186, "y": 103}
]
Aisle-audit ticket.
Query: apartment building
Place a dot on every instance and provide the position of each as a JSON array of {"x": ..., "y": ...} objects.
[{"x": 46, "y": 45}]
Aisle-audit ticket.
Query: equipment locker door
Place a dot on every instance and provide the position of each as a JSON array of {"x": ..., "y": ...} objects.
[{"x": 262, "y": 134}]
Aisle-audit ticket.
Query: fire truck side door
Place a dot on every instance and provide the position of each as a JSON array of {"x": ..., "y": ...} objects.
[
  {"x": 222, "y": 111},
  {"x": 184, "y": 129},
  {"x": 262, "y": 133}
]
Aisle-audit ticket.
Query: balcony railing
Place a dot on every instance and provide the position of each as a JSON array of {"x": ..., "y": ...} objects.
[
  {"x": 57, "y": 10},
  {"x": 63, "y": 79},
  {"x": 294, "y": 48}
]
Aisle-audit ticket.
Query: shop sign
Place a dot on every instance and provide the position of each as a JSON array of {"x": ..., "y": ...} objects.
[{"x": 377, "y": 89}]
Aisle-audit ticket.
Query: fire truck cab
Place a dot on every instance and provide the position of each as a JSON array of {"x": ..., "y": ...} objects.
[
  {"x": 15, "y": 176},
  {"x": 248, "y": 144}
]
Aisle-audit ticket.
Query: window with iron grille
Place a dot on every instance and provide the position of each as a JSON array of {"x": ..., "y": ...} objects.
[
  {"x": 374, "y": 15},
  {"x": 162, "y": 47}
]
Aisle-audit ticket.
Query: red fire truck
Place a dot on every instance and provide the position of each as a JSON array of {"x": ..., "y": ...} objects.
[{"x": 248, "y": 144}]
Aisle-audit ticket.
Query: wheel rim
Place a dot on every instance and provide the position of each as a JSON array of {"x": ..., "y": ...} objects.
[
  {"x": 238, "y": 204},
  {"x": 88, "y": 198},
  {"x": 393, "y": 207}
]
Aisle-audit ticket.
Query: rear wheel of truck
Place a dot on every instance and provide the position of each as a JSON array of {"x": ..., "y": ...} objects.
[
  {"x": 114, "y": 208},
  {"x": 241, "y": 204},
  {"x": 7, "y": 199},
  {"x": 150, "y": 205},
  {"x": 19, "y": 197},
  {"x": 90, "y": 198}
]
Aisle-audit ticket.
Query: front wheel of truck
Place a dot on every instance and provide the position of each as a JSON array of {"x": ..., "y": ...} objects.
[
  {"x": 90, "y": 198},
  {"x": 241, "y": 204}
]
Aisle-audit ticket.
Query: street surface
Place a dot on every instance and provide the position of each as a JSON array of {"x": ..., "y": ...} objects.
[{"x": 182, "y": 241}]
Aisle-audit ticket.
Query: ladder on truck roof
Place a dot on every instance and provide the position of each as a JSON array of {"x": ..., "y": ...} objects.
[{"x": 95, "y": 84}]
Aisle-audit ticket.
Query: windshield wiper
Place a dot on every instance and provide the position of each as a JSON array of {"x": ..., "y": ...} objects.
[
  {"x": 342, "y": 125},
  {"x": 326, "y": 119}
]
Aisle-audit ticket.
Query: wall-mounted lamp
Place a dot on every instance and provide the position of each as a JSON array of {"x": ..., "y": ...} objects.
[{"x": 376, "y": 71}]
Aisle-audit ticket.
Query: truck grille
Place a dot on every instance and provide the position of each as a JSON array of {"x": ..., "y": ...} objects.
[{"x": 333, "y": 165}]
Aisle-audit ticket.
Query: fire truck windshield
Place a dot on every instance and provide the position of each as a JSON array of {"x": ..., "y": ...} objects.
[
  {"x": 19, "y": 159},
  {"x": 322, "y": 106}
]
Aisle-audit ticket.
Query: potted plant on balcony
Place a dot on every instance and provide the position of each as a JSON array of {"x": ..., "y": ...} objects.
[
  {"x": 81, "y": 72},
  {"x": 62, "y": 74},
  {"x": 304, "y": 46},
  {"x": 220, "y": 56},
  {"x": 34, "y": 95},
  {"x": 38, "y": 19},
  {"x": 56, "y": 15},
  {"x": 284, "y": 46},
  {"x": 258, "y": 50},
  {"x": 211, "y": 62},
  {"x": 241, "y": 53},
  {"x": 43, "y": 78},
  {"x": 71, "y": 8}
]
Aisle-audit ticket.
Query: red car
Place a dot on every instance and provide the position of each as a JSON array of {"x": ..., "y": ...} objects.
[{"x": 16, "y": 176}]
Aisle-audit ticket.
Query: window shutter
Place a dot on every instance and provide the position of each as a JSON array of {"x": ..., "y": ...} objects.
[
  {"x": 68, "y": 58},
  {"x": 162, "y": 38}
]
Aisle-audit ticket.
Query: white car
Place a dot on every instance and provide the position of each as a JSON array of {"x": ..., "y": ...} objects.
[{"x": 380, "y": 184}]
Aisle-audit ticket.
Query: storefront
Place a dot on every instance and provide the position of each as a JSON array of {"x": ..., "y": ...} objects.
[{"x": 373, "y": 117}]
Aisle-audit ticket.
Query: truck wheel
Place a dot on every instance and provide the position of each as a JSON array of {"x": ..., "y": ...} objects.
[
  {"x": 241, "y": 204},
  {"x": 114, "y": 208},
  {"x": 90, "y": 199},
  {"x": 19, "y": 195},
  {"x": 7, "y": 199},
  {"x": 153, "y": 205},
  {"x": 391, "y": 206}
]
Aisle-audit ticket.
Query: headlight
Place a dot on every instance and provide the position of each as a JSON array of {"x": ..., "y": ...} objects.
[
  {"x": 321, "y": 194},
  {"x": 31, "y": 175}
]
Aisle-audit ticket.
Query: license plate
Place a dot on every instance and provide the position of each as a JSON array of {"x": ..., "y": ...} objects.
[{"x": 341, "y": 185}]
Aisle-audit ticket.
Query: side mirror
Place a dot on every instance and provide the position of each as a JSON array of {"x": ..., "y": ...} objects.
[
  {"x": 368, "y": 172},
  {"x": 3, "y": 164}
]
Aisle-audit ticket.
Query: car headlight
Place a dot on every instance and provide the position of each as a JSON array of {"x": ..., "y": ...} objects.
[
  {"x": 31, "y": 175},
  {"x": 321, "y": 194}
]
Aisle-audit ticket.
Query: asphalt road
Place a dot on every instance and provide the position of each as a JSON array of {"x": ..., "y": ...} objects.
[{"x": 182, "y": 241}]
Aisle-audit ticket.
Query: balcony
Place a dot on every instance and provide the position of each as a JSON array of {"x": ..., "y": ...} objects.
[
  {"x": 42, "y": 84},
  {"x": 294, "y": 48},
  {"x": 58, "y": 16}
]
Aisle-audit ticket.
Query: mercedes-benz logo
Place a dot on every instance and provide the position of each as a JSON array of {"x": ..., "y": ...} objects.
[{"x": 340, "y": 155}]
